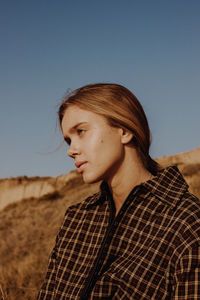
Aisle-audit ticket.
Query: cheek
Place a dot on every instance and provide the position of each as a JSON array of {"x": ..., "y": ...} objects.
[
  {"x": 94, "y": 142},
  {"x": 109, "y": 149},
  {"x": 102, "y": 145}
]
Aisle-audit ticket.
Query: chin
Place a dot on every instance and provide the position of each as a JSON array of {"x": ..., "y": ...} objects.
[{"x": 90, "y": 179}]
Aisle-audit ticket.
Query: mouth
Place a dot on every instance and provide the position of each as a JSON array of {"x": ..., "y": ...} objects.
[{"x": 80, "y": 165}]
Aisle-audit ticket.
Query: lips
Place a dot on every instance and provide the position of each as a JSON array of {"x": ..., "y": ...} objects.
[{"x": 79, "y": 164}]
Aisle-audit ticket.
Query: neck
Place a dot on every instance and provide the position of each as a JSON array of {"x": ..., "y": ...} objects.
[{"x": 130, "y": 174}]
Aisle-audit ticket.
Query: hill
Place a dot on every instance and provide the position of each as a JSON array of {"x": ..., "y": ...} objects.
[{"x": 31, "y": 211}]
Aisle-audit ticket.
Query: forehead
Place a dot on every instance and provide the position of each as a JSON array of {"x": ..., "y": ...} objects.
[{"x": 75, "y": 115}]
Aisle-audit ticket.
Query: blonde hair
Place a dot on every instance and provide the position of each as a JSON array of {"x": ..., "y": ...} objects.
[{"x": 121, "y": 108}]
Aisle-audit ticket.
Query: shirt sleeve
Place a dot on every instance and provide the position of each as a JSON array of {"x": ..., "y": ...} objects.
[
  {"x": 48, "y": 286},
  {"x": 187, "y": 275},
  {"x": 47, "y": 289}
]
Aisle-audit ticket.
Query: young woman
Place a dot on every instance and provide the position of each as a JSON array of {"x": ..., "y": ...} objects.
[{"x": 139, "y": 237}]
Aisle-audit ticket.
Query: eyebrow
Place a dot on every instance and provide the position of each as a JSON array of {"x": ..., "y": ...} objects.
[{"x": 73, "y": 128}]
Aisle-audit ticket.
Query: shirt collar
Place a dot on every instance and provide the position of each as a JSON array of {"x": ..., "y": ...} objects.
[
  {"x": 168, "y": 185},
  {"x": 98, "y": 197}
]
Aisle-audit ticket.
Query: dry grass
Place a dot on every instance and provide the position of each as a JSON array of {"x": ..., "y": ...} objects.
[
  {"x": 27, "y": 234},
  {"x": 28, "y": 230}
]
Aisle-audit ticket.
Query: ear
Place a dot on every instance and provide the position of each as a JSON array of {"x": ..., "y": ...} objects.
[{"x": 126, "y": 135}]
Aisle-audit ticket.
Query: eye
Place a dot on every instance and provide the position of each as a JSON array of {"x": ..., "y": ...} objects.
[{"x": 80, "y": 131}]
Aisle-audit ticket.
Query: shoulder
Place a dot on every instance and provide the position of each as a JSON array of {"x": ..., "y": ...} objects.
[
  {"x": 77, "y": 214},
  {"x": 186, "y": 228},
  {"x": 189, "y": 207},
  {"x": 80, "y": 210},
  {"x": 181, "y": 208},
  {"x": 190, "y": 203},
  {"x": 90, "y": 201},
  {"x": 188, "y": 213}
]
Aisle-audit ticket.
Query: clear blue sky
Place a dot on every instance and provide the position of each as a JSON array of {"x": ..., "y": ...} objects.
[{"x": 151, "y": 47}]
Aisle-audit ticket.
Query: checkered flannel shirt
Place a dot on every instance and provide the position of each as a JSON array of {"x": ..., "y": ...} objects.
[{"x": 150, "y": 250}]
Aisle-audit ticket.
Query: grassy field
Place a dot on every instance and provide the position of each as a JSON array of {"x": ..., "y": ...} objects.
[
  {"x": 27, "y": 233},
  {"x": 28, "y": 229}
]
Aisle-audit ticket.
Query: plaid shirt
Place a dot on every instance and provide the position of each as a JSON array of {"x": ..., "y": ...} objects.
[{"x": 150, "y": 250}]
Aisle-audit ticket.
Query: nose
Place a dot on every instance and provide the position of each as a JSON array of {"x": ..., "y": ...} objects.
[{"x": 72, "y": 151}]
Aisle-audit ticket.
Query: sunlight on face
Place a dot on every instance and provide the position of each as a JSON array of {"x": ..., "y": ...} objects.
[{"x": 94, "y": 145}]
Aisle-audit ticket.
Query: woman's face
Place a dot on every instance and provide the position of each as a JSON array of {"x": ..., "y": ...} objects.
[{"x": 95, "y": 146}]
